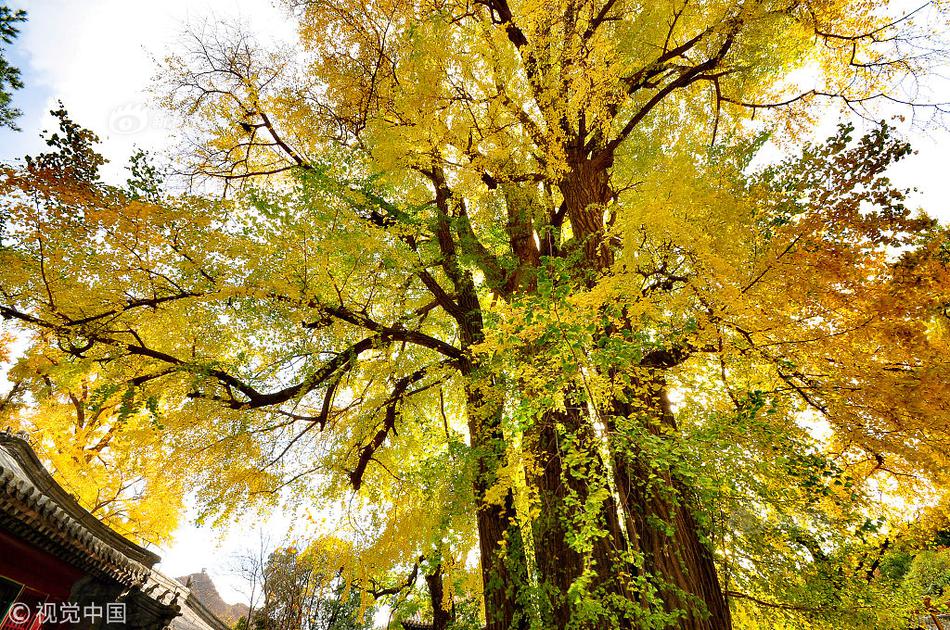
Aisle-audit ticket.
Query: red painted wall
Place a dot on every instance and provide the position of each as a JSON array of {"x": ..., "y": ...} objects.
[{"x": 37, "y": 569}]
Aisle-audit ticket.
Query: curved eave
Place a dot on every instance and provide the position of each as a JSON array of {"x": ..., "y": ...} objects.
[{"x": 37, "y": 509}]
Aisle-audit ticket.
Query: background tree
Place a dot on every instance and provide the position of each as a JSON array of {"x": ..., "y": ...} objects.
[
  {"x": 299, "y": 593},
  {"x": 99, "y": 438},
  {"x": 9, "y": 75},
  {"x": 513, "y": 259}
]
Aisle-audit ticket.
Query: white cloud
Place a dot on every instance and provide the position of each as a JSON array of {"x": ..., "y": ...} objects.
[{"x": 99, "y": 58}]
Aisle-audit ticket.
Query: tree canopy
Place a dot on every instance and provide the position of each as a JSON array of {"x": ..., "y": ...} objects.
[{"x": 508, "y": 296}]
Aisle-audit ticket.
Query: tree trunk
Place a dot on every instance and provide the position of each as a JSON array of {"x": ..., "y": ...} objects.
[
  {"x": 676, "y": 562},
  {"x": 586, "y": 192},
  {"x": 558, "y": 563},
  {"x": 504, "y": 570},
  {"x": 563, "y": 492},
  {"x": 441, "y": 614},
  {"x": 675, "y": 558},
  {"x": 658, "y": 515},
  {"x": 503, "y": 561}
]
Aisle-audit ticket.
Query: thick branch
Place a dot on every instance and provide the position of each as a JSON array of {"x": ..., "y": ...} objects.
[{"x": 367, "y": 451}]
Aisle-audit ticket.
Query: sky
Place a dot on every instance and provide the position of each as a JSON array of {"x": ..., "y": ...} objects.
[{"x": 99, "y": 57}]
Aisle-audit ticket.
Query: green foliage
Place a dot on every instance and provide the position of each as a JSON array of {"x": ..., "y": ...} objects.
[
  {"x": 930, "y": 572},
  {"x": 482, "y": 304},
  {"x": 9, "y": 75},
  {"x": 895, "y": 565},
  {"x": 145, "y": 178},
  {"x": 73, "y": 157},
  {"x": 300, "y": 594}
]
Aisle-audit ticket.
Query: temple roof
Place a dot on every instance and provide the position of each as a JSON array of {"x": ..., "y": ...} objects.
[
  {"x": 36, "y": 508},
  {"x": 39, "y": 511}
]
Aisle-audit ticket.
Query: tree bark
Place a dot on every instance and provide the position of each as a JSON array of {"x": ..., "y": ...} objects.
[
  {"x": 675, "y": 558},
  {"x": 503, "y": 561},
  {"x": 441, "y": 614},
  {"x": 558, "y": 563},
  {"x": 658, "y": 514},
  {"x": 501, "y": 546},
  {"x": 676, "y": 561},
  {"x": 561, "y": 489},
  {"x": 586, "y": 191}
]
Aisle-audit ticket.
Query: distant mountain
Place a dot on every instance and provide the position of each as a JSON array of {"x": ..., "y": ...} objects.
[{"x": 204, "y": 590}]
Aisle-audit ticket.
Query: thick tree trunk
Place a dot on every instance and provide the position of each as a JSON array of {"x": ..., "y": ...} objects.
[
  {"x": 441, "y": 613},
  {"x": 503, "y": 561},
  {"x": 654, "y": 505},
  {"x": 504, "y": 574},
  {"x": 501, "y": 546},
  {"x": 564, "y": 491},
  {"x": 659, "y": 520},
  {"x": 586, "y": 192},
  {"x": 558, "y": 563}
]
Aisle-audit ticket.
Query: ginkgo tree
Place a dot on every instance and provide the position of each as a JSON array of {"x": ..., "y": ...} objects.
[
  {"x": 509, "y": 274},
  {"x": 99, "y": 439}
]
